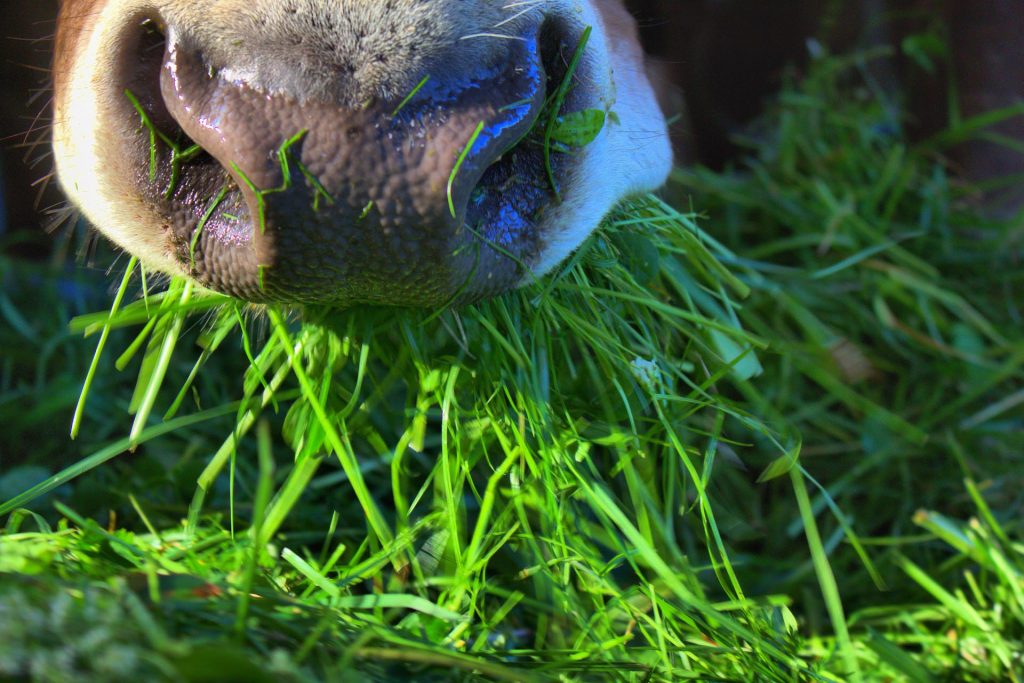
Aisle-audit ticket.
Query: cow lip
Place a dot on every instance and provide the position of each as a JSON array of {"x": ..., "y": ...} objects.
[{"x": 211, "y": 206}]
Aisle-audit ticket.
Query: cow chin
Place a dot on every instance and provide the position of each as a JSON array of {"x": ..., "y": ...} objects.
[{"x": 353, "y": 151}]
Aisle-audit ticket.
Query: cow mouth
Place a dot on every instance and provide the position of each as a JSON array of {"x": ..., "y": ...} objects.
[{"x": 433, "y": 200}]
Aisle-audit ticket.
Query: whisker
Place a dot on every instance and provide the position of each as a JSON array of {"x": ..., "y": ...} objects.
[
  {"x": 492, "y": 35},
  {"x": 514, "y": 17}
]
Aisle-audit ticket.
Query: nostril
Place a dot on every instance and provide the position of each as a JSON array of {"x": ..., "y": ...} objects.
[
  {"x": 558, "y": 43},
  {"x": 144, "y": 49},
  {"x": 145, "y": 115},
  {"x": 171, "y": 174}
]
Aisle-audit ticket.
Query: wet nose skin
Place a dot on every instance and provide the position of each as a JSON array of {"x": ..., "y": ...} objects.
[{"x": 387, "y": 203}]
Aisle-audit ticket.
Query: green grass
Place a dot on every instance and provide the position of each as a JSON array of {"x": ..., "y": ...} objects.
[{"x": 777, "y": 441}]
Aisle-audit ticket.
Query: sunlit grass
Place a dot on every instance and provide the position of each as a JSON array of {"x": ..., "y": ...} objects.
[
  {"x": 779, "y": 442},
  {"x": 482, "y": 434}
]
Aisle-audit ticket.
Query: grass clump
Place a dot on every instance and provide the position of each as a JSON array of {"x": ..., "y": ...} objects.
[
  {"x": 780, "y": 443},
  {"x": 476, "y": 451}
]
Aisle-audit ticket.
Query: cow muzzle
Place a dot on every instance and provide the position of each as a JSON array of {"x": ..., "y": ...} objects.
[
  {"x": 353, "y": 151},
  {"x": 275, "y": 196}
]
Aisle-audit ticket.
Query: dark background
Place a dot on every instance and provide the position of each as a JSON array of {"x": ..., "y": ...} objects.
[{"x": 25, "y": 44}]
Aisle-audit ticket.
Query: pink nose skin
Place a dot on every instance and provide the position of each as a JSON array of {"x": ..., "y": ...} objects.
[
  {"x": 344, "y": 152},
  {"x": 427, "y": 201}
]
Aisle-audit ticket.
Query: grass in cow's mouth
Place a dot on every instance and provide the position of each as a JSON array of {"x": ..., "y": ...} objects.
[{"x": 781, "y": 443}]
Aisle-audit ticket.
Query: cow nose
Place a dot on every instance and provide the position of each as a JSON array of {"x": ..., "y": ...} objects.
[{"x": 411, "y": 201}]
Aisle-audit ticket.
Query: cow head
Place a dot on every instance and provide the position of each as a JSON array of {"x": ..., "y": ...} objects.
[{"x": 403, "y": 152}]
